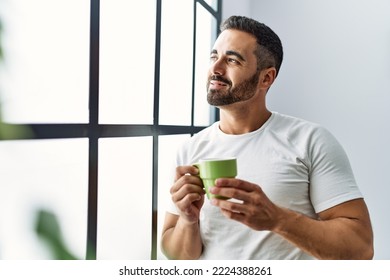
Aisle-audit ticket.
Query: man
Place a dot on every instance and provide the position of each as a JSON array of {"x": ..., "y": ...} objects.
[{"x": 298, "y": 196}]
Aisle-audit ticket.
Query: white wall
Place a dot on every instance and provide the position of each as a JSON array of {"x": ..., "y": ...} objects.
[{"x": 336, "y": 72}]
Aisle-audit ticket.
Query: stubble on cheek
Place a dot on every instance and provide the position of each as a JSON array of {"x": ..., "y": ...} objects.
[{"x": 241, "y": 92}]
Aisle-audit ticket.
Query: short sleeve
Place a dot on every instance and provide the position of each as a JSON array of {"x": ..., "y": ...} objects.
[{"x": 331, "y": 178}]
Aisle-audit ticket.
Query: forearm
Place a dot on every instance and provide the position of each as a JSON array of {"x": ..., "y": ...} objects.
[
  {"x": 339, "y": 238},
  {"x": 182, "y": 241}
]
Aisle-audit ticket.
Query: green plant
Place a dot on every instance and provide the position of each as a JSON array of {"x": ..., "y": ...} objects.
[{"x": 48, "y": 229}]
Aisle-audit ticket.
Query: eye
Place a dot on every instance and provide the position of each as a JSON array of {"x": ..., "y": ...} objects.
[
  {"x": 213, "y": 58},
  {"x": 232, "y": 60}
]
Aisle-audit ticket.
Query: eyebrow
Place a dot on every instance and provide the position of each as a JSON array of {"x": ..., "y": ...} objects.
[{"x": 236, "y": 54}]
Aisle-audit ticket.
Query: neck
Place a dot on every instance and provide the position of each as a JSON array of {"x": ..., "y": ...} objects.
[{"x": 243, "y": 120}]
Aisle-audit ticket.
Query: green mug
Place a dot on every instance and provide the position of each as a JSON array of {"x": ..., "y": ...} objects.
[{"x": 214, "y": 168}]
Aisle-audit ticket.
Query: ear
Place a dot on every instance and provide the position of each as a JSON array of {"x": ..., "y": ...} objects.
[{"x": 267, "y": 77}]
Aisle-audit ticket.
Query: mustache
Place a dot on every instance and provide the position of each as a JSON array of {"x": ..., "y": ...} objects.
[{"x": 220, "y": 78}]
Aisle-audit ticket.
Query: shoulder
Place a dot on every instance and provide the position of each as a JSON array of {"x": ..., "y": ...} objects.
[
  {"x": 310, "y": 139},
  {"x": 296, "y": 128},
  {"x": 291, "y": 123}
]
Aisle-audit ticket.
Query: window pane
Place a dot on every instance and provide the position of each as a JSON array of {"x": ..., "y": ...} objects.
[
  {"x": 42, "y": 174},
  {"x": 176, "y": 62},
  {"x": 212, "y": 3},
  {"x": 45, "y": 73},
  {"x": 168, "y": 146},
  {"x": 127, "y": 49},
  {"x": 205, "y": 35},
  {"x": 125, "y": 198}
]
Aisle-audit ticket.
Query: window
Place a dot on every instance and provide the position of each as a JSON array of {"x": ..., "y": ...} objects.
[{"x": 95, "y": 98}]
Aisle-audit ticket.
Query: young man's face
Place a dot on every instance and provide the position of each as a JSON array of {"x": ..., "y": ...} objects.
[{"x": 233, "y": 75}]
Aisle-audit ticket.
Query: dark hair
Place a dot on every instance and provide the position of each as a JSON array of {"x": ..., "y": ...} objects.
[{"x": 270, "y": 51}]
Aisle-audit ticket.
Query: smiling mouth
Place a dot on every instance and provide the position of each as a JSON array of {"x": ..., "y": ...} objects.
[{"x": 218, "y": 84}]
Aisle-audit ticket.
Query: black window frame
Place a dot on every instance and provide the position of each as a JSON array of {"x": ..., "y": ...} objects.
[{"x": 94, "y": 131}]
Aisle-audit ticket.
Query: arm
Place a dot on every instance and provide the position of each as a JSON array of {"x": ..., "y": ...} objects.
[
  {"x": 181, "y": 235},
  {"x": 180, "y": 240},
  {"x": 341, "y": 232}
]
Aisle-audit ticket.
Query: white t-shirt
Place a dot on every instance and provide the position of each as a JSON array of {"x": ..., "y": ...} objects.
[{"x": 298, "y": 164}]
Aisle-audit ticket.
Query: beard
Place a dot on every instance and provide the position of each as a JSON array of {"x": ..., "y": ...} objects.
[{"x": 241, "y": 92}]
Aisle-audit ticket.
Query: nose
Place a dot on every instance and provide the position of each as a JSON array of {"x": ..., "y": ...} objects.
[{"x": 217, "y": 67}]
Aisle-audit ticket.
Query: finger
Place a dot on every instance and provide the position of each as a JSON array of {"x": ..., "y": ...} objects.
[
  {"x": 190, "y": 205},
  {"x": 229, "y": 206},
  {"x": 231, "y": 193},
  {"x": 187, "y": 201},
  {"x": 185, "y": 191},
  {"x": 186, "y": 185},
  {"x": 235, "y": 183},
  {"x": 240, "y": 217},
  {"x": 186, "y": 180},
  {"x": 185, "y": 169}
]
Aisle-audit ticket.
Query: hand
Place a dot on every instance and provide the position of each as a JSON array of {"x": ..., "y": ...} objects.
[
  {"x": 187, "y": 193},
  {"x": 256, "y": 210}
]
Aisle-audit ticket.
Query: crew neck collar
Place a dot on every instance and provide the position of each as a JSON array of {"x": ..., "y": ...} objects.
[{"x": 248, "y": 134}]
